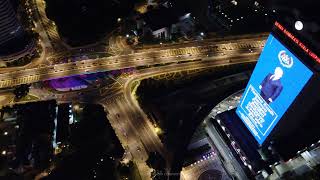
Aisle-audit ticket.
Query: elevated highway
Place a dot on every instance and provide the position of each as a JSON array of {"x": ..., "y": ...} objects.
[{"x": 205, "y": 51}]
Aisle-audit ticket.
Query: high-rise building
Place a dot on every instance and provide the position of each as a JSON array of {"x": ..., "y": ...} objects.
[{"x": 10, "y": 27}]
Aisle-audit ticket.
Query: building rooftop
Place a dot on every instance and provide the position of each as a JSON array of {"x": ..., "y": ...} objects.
[{"x": 161, "y": 17}]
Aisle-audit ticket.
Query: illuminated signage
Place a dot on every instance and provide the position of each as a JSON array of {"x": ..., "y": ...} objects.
[
  {"x": 277, "y": 79},
  {"x": 298, "y": 42}
]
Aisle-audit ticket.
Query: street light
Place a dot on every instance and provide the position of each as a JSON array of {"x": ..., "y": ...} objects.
[
  {"x": 157, "y": 129},
  {"x": 234, "y": 2},
  {"x": 187, "y": 15},
  {"x": 202, "y": 34},
  {"x": 76, "y": 107}
]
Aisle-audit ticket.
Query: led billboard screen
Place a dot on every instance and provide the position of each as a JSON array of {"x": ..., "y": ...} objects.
[{"x": 276, "y": 81}]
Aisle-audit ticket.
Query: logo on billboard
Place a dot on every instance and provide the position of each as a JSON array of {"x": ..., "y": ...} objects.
[{"x": 285, "y": 59}]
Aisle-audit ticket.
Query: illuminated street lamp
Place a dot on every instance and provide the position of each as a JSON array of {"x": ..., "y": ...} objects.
[
  {"x": 202, "y": 33},
  {"x": 157, "y": 129},
  {"x": 234, "y": 2},
  {"x": 5, "y": 133},
  {"x": 76, "y": 107},
  {"x": 4, "y": 152}
]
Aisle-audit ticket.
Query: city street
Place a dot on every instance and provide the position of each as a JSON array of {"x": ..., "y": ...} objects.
[
  {"x": 205, "y": 52},
  {"x": 132, "y": 126}
]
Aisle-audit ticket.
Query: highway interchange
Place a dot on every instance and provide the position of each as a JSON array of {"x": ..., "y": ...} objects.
[{"x": 132, "y": 126}]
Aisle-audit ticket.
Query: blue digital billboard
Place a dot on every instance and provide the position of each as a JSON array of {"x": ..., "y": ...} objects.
[{"x": 276, "y": 81}]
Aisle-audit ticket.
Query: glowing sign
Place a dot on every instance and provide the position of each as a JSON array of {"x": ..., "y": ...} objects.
[
  {"x": 277, "y": 79},
  {"x": 298, "y": 42}
]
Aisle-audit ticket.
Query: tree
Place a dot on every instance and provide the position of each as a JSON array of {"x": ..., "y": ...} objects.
[
  {"x": 125, "y": 169},
  {"x": 147, "y": 37},
  {"x": 156, "y": 161},
  {"x": 3, "y": 110},
  {"x": 21, "y": 91},
  {"x": 158, "y": 175}
]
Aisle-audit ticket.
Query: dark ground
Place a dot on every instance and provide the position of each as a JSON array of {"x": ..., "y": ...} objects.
[{"x": 85, "y": 21}]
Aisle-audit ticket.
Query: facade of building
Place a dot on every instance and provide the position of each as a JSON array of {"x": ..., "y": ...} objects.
[
  {"x": 164, "y": 30},
  {"x": 9, "y": 25},
  {"x": 163, "y": 33},
  {"x": 185, "y": 26}
]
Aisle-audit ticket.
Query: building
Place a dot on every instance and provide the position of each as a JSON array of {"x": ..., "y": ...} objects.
[
  {"x": 165, "y": 22},
  {"x": 162, "y": 33},
  {"x": 10, "y": 28},
  {"x": 185, "y": 26}
]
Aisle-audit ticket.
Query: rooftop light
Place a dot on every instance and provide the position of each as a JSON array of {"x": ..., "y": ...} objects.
[{"x": 298, "y": 25}]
